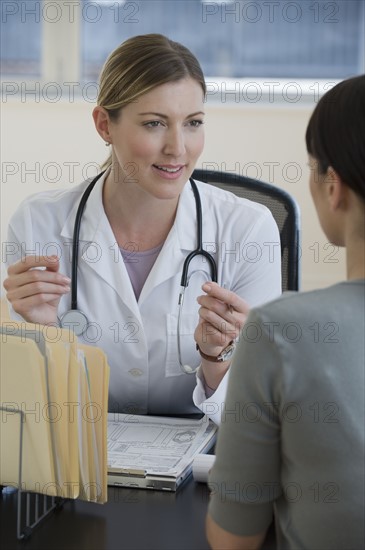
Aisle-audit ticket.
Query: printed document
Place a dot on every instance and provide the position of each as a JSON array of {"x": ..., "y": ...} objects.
[{"x": 148, "y": 446}]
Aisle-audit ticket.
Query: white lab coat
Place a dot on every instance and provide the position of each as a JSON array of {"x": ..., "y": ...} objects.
[{"x": 139, "y": 338}]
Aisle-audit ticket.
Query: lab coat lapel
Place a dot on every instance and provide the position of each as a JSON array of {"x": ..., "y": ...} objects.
[{"x": 98, "y": 250}]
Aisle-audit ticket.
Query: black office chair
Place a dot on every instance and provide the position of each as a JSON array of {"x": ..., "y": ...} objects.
[{"x": 283, "y": 208}]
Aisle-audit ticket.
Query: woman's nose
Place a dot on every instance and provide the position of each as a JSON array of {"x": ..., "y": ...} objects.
[{"x": 175, "y": 143}]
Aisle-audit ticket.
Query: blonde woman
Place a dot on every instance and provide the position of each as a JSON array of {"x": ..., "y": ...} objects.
[{"x": 139, "y": 224}]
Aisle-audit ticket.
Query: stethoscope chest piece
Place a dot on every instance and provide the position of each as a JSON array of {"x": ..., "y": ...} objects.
[{"x": 75, "y": 320}]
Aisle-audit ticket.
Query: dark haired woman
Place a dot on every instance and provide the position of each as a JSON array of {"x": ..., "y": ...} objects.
[{"x": 298, "y": 452}]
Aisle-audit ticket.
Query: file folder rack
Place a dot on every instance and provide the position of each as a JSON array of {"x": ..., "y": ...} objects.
[{"x": 32, "y": 508}]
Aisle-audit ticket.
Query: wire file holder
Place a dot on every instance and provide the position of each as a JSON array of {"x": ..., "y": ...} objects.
[{"x": 32, "y": 507}]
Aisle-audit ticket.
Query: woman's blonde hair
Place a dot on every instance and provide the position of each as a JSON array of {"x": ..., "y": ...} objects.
[{"x": 140, "y": 64}]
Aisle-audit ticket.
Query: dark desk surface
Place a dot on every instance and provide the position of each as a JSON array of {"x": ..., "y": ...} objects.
[{"x": 132, "y": 519}]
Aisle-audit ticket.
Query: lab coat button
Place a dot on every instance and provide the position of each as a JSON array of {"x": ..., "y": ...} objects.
[{"x": 135, "y": 372}]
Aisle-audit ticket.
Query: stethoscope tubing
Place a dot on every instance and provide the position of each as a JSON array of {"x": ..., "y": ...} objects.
[
  {"x": 199, "y": 251},
  {"x": 76, "y": 239}
]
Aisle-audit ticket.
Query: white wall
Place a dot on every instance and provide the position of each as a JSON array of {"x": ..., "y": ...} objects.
[{"x": 59, "y": 143}]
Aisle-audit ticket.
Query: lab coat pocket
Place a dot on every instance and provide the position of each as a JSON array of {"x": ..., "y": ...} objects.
[{"x": 188, "y": 351}]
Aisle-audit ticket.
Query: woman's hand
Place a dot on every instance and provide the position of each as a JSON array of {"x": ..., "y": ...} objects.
[
  {"x": 222, "y": 316},
  {"x": 34, "y": 288}
]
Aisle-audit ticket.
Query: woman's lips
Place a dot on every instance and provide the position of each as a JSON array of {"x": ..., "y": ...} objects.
[{"x": 169, "y": 171}]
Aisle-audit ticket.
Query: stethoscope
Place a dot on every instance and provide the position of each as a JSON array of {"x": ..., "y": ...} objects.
[{"x": 77, "y": 320}]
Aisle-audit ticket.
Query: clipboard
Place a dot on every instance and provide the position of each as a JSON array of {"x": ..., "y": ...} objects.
[{"x": 154, "y": 452}]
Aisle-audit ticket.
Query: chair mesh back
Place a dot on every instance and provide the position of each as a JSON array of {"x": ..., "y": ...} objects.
[{"x": 282, "y": 206}]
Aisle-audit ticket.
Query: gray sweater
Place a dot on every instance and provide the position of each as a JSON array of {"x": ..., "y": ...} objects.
[{"x": 292, "y": 435}]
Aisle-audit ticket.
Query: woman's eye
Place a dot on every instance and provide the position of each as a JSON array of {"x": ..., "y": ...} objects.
[
  {"x": 196, "y": 123},
  {"x": 152, "y": 124}
]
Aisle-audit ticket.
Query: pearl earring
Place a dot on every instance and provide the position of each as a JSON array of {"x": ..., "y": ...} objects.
[{"x": 107, "y": 144}]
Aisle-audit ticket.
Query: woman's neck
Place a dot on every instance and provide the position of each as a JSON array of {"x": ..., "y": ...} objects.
[
  {"x": 135, "y": 216},
  {"x": 355, "y": 260},
  {"x": 354, "y": 233}
]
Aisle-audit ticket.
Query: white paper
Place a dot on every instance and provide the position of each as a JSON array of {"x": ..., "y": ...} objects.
[
  {"x": 202, "y": 464},
  {"x": 156, "y": 445}
]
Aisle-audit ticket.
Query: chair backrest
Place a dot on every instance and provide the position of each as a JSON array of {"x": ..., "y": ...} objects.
[{"x": 283, "y": 208}]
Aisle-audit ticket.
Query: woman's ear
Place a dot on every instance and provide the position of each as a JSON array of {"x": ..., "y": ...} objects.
[
  {"x": 102, "y": 123},
  {"x": 336, "y": 190}
]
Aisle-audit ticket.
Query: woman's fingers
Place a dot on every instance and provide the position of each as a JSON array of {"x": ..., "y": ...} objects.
[
  {"x": 35, "y": 277},
  {"x": 29, "y": 262},
  {"x": 213, "y": 290},
  {"x": 34, "y": 288},
  {"x": 227, "y": 324},
  {"x": 34, "y": 273},
  {"x": 37, "y": 288},
  {"x": 222, "y": 316},
  {"x": 223, "y": 309},
  {"x": 210, "y": 339}
]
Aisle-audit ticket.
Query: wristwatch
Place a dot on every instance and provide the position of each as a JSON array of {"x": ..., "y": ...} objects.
[{"x": 224, "y": 355}]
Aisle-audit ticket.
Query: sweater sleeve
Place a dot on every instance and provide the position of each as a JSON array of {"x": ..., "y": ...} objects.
[{"x": 245, "y": 479}]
